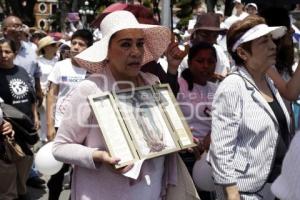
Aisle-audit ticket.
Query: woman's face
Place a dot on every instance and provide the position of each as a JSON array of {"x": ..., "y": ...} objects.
[
  {"x": 203, "y": 65},
  {"x": 125, "y": 53},
  {"x": 263, "y": 53},
  {"x": 239, "y": 7},
  {"x": 51, "y": 49},
  {"x": 7, "y": 55},
  {"x": 251, "y": 10}
]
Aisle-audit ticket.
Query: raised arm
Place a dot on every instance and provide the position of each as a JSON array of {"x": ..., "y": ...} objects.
[
  {"x": 290, "y": 90},
  {"x": 51, "y": 101}
]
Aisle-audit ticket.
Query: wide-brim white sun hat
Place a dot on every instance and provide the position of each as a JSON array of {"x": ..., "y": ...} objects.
[
  {"x": 259, "y": 31},
  {"x": 45, "y": 41},
  {"x": 156, "y": 40}
]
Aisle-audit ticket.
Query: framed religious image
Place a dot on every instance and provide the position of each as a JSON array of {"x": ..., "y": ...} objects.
[
  {"x": 113, "y": 129},
  {"x": 167, "y": 100},
  {"x": 146, "y": 122}
]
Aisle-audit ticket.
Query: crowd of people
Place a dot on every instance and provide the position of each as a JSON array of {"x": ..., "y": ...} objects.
[{"x": 235, "y": 82}]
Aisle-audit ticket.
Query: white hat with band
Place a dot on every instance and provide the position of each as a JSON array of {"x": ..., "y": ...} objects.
[{"x": 157, "y": 39}]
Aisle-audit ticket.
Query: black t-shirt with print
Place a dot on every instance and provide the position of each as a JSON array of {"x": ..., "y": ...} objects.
[{"x": 16, "y": 89}]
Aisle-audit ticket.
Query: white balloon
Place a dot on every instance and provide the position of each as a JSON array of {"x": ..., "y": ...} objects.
[
  {"x": 45, "y": 161},
  {"x": 202, "y": 175}
]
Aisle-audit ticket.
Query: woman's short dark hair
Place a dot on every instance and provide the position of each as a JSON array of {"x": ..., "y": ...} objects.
[
  {"x": 84, "y": 34},
  {"x": 11, "y": 43},
  {"x": 237, "y": 30},
  {"x": 186, "y": 74},
  {"x": 200, "y": 46}
]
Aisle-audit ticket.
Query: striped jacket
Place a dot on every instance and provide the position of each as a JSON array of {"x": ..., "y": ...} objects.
[{"x": 244, "y": 133}]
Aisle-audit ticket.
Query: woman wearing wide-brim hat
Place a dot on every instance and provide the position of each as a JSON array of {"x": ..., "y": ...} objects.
[
  {"x": 116, "y": 61},
  {"x": 44, "y": 44},
  {"x": 47, "y": 51}
]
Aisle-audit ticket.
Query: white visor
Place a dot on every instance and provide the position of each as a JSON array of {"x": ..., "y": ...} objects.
[{"x": 258, "y": 31}]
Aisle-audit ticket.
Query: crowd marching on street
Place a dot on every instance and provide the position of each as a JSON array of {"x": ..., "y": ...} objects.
[{"x": 236, "y": 83}]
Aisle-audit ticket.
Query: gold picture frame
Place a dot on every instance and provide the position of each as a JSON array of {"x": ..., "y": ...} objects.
[
  {"x": 174, "y": 114},
  {"x": 113, "y": 129},
  {"x": 142, "y": 123}
]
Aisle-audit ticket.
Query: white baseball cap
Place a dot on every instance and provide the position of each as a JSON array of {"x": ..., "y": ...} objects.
[
  {"x": 251, "y": 4},
  {"x": 259, "y": 31}
]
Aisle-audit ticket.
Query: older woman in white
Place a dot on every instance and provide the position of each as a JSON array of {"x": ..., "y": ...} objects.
[
  {"x": 250, "y": 123},
  {"x": 117, "y": 58}
]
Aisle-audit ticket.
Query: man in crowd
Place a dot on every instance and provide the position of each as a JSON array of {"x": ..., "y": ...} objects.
[
  {"x": 251, "y": 8},
  {"x": 207, "y": 29},
  {"x": 26, "y": 58}
]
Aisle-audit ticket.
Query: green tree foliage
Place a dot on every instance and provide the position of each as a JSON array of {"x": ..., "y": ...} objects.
[
  {"x": 100, "y": 5},
  {"x": 186, "y": 11},
  {"x": 21, "y": 8},
  {"x": 147, "y": 3}
]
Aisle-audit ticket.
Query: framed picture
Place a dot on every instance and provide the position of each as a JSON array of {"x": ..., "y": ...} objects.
[
  {"x": 167, "y": 100},
  {"x": 113, "y": 129},
  {"x": 141, "y": 124},
  {"x": 146, "y": 122}
]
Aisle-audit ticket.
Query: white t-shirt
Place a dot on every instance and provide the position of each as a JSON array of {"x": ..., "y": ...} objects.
[
  {"x": 33, "y": 46},
  {"x": 234, "y": 18},
  {"x": 222, "y": 65},
  {"x": 67, "y": 76},
  {"x": 27, "y": 59},
  {"x": 196, "y": 106},
  {"x": 46, "y": 67},
  {"x": 164, "y": 63}
]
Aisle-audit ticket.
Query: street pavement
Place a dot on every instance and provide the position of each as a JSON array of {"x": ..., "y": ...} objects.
[{"x": 42, "y": 194}]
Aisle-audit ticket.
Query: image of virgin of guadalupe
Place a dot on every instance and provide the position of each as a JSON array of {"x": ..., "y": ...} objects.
[{"x": 143, "y": 104}]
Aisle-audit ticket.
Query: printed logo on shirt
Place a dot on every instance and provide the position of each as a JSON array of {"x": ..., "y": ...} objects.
[
  {"x": 72, "y": 79},
  {"x": 64, "y": 78},
  {"x": 18, "y": 88}
]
